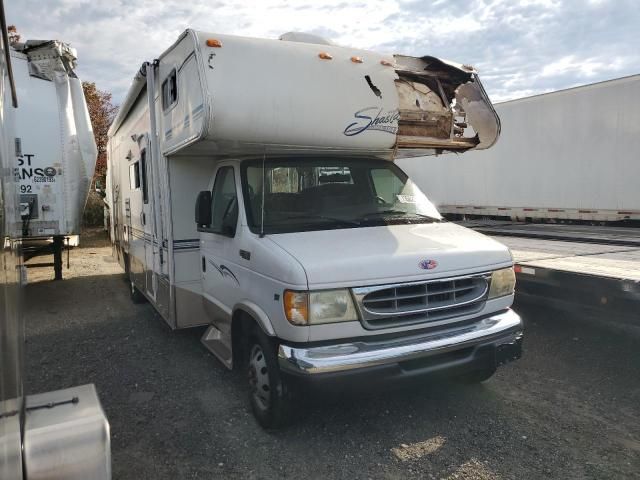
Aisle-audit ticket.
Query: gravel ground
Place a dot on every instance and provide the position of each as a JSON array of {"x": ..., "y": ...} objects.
[{"x": 568, "y": 409}]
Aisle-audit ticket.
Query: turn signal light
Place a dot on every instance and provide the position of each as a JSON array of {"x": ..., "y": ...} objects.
[
  {"x": 212, "y": 42},
  {"x": 355, "y": 59},
  {"x": 296, "y": 307},
  {"x": 386, "y": 63},
  {"x": 325, "y": 56}
]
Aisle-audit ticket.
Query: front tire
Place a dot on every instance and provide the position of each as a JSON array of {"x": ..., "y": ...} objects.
[{"x": 269, "y": 395}]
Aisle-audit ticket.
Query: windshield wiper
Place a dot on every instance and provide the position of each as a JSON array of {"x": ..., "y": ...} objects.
[
  {"x": 342, "y": 221},
  {"x": 395, "y": 212}
]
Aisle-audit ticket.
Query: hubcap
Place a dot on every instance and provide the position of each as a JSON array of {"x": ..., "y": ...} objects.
[{"x": 259, "y": 378}]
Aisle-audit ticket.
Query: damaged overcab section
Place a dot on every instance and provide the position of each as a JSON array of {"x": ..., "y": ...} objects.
[{"x": 442, "y": 106}]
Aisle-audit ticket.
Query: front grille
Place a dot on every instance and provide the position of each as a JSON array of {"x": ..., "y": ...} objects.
[{"x": 418, "y": 302}]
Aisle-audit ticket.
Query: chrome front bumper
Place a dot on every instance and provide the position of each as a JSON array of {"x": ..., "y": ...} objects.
[{"x": 504, "y": 328}]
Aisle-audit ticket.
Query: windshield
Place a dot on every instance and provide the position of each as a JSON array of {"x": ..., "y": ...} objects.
[{"x": 326, "y": 193}]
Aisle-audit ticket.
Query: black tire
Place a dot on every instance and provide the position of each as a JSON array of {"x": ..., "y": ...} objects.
[
  {"x": 127, "y": 269},
  {"x": 269, "y": 395},
  {"x": 136, "y": 295},
  {"x": 477, "y": 376}
]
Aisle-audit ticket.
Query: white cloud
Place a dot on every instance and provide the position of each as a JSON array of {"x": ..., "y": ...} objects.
[{"x": 520, "y": 48}]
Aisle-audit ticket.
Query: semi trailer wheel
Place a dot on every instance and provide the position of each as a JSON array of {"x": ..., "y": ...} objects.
[{"x": 268, "y": 393}]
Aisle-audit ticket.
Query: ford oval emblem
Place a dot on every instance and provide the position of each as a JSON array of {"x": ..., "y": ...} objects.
[{"x": 428, "y": 264}]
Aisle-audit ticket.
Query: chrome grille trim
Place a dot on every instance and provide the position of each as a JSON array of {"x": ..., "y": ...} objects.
[{"x": 428, "y": 301}]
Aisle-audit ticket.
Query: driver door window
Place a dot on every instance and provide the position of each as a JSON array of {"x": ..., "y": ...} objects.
[{"x": 224, "y": 208}]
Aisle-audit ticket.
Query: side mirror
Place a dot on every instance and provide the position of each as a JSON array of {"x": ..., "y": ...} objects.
[{"x": 203, "y": 209}]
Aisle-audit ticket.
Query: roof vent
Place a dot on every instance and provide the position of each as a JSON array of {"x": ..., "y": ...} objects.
[{"x": 304, "y": 38}]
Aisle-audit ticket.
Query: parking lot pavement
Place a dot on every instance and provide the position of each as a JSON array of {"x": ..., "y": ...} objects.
[{"x": 568, "y": 409}]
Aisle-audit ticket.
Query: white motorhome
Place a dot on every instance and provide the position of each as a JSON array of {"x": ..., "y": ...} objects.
[
  {"x": 55, "y": 147},
  {"x": 312, "y": 257}
]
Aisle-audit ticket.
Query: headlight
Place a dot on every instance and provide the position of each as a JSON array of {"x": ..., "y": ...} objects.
[
  {"x": 503, "y": 283},
  {"x": 322, "y": 306}
]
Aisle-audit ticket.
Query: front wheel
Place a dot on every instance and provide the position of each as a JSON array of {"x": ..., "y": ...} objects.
[{"x": 268, "y": 393}]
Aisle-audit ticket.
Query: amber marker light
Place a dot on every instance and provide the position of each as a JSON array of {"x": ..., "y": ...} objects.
[
  {"x": 386, "y": 63},
  {"x": 355, "y": 59},
  {"x": 212, "y": 42},
  {"x": 325, "y": 56},
  {"x": 296, "y": 307}
]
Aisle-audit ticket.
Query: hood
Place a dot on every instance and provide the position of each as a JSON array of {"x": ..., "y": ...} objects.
[{"x": 388, "y": 254}]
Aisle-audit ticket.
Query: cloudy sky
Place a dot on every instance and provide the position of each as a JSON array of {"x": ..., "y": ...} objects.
[{"x": 520, "y": 47}]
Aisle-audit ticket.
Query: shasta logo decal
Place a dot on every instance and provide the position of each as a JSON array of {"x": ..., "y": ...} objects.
[
  {"x": 373, "y": 118},
  {"x": 428, "y": 264}
]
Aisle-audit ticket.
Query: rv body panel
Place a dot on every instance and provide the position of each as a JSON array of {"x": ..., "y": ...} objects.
[
  {"x": 136, "y": 203},
  {"x": 312, "y": 99},
  {"x": 187, "y": 175}
]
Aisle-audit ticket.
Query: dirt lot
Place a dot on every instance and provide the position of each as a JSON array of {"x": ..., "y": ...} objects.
[{"x": 568, "y": 409}]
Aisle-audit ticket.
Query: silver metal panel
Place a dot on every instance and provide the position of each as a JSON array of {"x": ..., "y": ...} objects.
[
  {"x": 190, "y": 311},
  {"x": 162, "y": 298},
  {"x": 66, "y": 436}
]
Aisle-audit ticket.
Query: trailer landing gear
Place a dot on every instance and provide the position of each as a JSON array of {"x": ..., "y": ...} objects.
[
  {"x": 33, "y": 247},
  {"x": 57, "y": 257}
]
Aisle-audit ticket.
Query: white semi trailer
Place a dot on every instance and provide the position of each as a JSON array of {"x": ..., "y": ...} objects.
[
  {"x": 54, "y": 147},
  {"x": 312, "y": 257},
  {"x": 567, "y": 155},
  {"x": 56, "y": 435}
]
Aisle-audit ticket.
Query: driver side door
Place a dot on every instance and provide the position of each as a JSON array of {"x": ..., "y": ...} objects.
[{"x": 220, "y": 282}]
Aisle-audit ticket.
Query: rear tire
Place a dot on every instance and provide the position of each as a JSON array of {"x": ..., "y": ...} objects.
[
  {"x": 269, "y": 395},
  {"x": 136, "y": 295}
]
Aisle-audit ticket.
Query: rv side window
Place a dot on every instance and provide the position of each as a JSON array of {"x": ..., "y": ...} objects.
[
  {"x": 134, "y": 175},
  {"x": 224, "y": 207},
  {"x": 143, "y": 174},
  {"x": 170, "y": 90}
]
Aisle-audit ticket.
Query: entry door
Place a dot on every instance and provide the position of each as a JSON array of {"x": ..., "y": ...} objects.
[
  {"x": 220, "y": 272},
  {"x": 148, "y": 222}
]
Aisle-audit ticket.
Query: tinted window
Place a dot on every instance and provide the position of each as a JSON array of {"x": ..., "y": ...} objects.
[
  {"x": 170, "y": 90},
  {"x": 224, "y": 206},
  {"x": 134, "y": 175}
]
